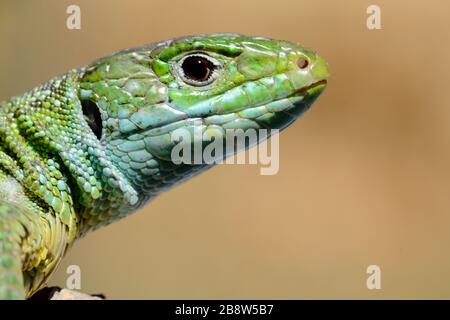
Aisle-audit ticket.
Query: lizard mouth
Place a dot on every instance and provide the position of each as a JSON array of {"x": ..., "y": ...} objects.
[
  {"x": 316, "y": 85},
  {"x": 300, "y": 102},
  {"x": 276, "y": 114}
]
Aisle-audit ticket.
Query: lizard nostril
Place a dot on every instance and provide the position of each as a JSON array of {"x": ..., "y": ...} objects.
[{"x": 302, "y": 63}]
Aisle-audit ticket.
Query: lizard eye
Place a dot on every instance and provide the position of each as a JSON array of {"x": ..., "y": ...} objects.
[
  {"x": 92, "y": 116},
  {"x": 197, "y": 69}
]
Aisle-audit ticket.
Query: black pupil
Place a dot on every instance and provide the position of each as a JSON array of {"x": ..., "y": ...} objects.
[{"x": 197, "y": 68}]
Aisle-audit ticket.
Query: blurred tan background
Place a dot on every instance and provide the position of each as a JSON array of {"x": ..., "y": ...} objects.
[{"x": 364, "y": 176}]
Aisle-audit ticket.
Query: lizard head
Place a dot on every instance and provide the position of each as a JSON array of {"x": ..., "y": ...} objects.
[{"x": 136, "y": 99}]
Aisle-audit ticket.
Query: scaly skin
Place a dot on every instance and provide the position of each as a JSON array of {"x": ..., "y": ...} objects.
[{"x": 63, "y": 174}]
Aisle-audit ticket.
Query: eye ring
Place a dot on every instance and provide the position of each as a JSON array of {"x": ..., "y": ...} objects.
[{"x": 198, "y": 69}]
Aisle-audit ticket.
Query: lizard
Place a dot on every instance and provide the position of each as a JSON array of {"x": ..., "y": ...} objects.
[{"x": 92, "y": 146}]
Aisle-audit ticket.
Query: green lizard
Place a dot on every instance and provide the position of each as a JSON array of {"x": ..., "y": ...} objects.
[{"x": 92, "y": 146}]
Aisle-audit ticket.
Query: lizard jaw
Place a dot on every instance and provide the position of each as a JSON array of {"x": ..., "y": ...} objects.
[{"x": 316, "y": 85}]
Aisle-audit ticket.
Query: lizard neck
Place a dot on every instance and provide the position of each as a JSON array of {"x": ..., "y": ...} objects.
[{"x": 50, "y": 150}]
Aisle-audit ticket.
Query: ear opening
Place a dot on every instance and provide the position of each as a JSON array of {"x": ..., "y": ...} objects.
[{"x": 93, "y": 117}]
